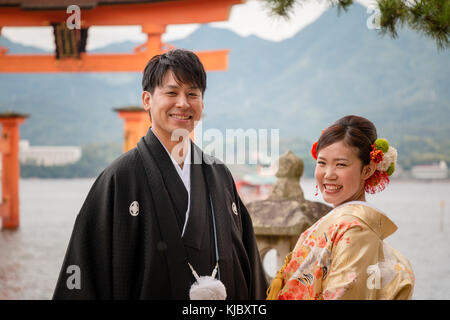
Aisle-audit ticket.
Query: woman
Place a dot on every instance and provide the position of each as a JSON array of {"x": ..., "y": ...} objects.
[{"x": 343, "y": 255}]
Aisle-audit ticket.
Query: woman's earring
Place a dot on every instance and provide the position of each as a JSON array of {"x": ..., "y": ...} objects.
[{"x": 317, "y": 190}]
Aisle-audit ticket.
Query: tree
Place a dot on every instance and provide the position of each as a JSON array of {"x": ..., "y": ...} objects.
[{"x": 429, "y": 17}]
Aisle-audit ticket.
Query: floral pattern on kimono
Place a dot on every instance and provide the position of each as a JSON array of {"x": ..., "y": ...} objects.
[{"x": 344, "y": 256}]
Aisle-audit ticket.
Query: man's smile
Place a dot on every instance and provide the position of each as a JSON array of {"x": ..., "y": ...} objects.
[{"x": 179, "y": 116}]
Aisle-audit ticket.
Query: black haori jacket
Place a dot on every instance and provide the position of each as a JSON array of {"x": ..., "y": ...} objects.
[{"x": 127, "y": 243}]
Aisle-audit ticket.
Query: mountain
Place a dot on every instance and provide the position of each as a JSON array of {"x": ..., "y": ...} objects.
[
  {"x": 19, "y": 48},
  {"x": 333, "y": 67},
  {"x": 67, "y": 109}
]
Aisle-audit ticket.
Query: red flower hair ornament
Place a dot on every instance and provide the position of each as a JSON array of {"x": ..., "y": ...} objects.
[
  {"x": 314, "y": 150},
  {"x": 385, "y": 157},
  {"x": 314, "y": 147}
]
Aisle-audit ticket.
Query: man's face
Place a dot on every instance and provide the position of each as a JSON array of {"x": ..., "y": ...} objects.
[{"x": 173, "y": 105}]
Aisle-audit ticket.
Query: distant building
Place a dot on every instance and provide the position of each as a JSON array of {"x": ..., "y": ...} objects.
[
  {"x": 48, "y": 155},
  {"x": 433, "y": 171},
  {"x": 253, "y": 187}
]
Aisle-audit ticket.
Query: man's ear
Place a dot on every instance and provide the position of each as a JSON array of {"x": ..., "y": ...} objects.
[
  {"x": 146, "y": 100},
  {"x": 369, "y": 169}
]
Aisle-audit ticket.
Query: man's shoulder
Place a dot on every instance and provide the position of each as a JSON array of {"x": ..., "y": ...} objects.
[{"x": 123, "y": 164}]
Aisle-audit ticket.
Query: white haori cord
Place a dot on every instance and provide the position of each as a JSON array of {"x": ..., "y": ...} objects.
[{"x": 207, "y": 287}]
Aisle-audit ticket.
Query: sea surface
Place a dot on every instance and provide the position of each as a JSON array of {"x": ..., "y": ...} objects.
[{"x": 31, "y": 257}]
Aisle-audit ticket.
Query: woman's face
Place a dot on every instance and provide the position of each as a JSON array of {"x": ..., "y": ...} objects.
[{"x": 340, "y": 174}]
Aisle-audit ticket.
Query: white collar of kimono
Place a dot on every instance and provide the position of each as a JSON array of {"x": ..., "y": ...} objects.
[
  {"x": 184, "y": 172},
  {"x": 376, "y": 219},
  {"x": 185, "y": 175}
]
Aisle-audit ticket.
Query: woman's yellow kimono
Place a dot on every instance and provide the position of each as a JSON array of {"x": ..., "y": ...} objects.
[{"x": 343, "y": 256}]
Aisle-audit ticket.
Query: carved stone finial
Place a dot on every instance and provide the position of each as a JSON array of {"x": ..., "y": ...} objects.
[{"x": 287, "y": 186}]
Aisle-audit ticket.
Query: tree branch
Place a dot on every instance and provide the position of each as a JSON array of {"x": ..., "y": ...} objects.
[{"x": 428, "y": 17}]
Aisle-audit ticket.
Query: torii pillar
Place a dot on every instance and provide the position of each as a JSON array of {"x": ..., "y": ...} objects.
[
  {"x": 136, "y": 124},
  {"x": 9, "y": 147}
]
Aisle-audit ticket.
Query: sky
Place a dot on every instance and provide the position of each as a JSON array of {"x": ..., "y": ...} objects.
[{"x": 250, "y": 18}]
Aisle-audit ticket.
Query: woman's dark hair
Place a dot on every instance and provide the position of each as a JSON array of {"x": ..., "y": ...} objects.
[
  {"x": 355, "y": 131},
  {"x": 184, "y": 64}
]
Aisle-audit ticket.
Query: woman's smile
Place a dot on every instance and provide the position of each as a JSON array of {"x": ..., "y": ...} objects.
[{"x": 332, "y": 188}]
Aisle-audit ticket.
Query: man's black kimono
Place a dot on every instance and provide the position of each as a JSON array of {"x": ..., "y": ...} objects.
[{"x": 127, "y": 244}]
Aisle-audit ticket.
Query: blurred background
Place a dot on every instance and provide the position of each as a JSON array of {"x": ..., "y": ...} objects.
[{"x": 297, "y": 74}]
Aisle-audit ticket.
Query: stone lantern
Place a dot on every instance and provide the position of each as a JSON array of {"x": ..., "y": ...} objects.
[{"x": 279, "y": 220}]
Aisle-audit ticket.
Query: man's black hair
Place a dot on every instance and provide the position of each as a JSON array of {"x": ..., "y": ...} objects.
[{"x": 184, "y": 64}]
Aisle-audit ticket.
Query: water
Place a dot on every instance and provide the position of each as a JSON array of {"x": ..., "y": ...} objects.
[{"x": 31, "y": 257}]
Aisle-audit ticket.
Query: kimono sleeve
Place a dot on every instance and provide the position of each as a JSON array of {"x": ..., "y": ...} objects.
[
  {"x": 352, "y": 255},
  {"x": 86, "y": 272}
]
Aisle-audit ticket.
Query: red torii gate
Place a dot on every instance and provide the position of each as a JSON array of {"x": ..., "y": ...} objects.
[{"x": 152, "y": 15}]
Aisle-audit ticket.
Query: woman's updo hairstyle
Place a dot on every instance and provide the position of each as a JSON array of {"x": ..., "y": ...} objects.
[{"x": 355, "y": 131}]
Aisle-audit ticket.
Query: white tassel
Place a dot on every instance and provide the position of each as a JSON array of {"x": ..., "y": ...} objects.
[{"x": 207, "y": 287}]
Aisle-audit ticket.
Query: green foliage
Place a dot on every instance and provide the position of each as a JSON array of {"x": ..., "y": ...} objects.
[
  {"x": 428, "y": 17},
  {"x": 394, "y": 12},
  {"x": 280, "y": 7}
]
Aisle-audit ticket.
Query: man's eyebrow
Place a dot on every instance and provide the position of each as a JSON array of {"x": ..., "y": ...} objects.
[{"x": 172, "y": 86}]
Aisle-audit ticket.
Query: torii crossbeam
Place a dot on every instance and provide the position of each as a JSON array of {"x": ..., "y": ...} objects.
[{"x": 152, "y": 15}]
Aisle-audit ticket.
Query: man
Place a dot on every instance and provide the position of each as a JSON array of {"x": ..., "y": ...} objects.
[{"x": 163, "y": 207}]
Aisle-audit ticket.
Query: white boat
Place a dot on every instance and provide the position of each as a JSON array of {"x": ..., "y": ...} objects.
[{"x": 433, "y": 171}]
